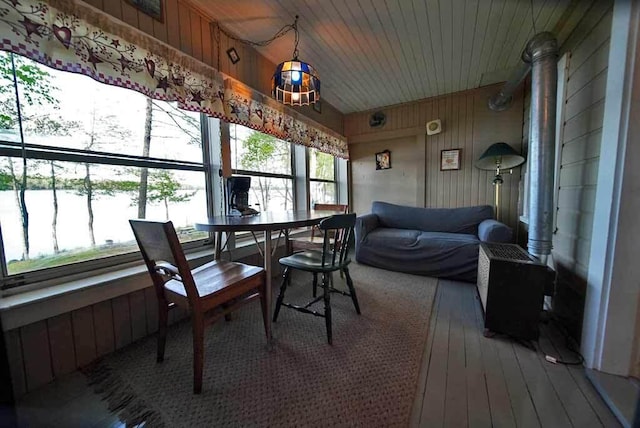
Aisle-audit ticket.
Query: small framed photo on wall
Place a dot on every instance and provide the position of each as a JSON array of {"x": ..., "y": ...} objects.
[
  {"x": 383, "y": 160},
  {"x": 450, "y": 159}
]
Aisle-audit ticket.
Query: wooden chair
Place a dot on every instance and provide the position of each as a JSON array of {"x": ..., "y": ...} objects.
[
  {"x": 315, "y": 240},
  {"x": 209, "y": 292},
  {"x": 334, "y": 256}
]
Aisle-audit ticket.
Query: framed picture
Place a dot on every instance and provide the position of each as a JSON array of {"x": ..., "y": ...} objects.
[
  {"x": 383, "y": 160},
  {"x": 153, "y": 8},
  {"x": 233, "y": 55},
  {"x": 317, "y": 106},
  {"x": 450, "y": 159}
]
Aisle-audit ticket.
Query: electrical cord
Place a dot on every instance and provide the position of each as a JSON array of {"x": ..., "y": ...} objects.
[{"x": 569, "y": 344}]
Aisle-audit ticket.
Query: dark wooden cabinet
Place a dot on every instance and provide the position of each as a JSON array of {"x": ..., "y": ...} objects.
[{"x": 511, "y": 286}]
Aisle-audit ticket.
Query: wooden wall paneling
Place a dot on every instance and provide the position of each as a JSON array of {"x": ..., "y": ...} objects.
[
  {"x": 597, "y": 40},
  {"x": 207, "y": 43},
  {"x": 197, "y": 22},
  {"x": 63, "y": 357},
  {"x": 172, "y": 22},
  {"x": 129, "y": 14},
  {"x": 184, "y": 21},
  {"x": 468, "y": 153},
  {"x": 121, "y": 321},
  {"x": 103, "y": 327},
  {"x": 138, "y": 309},
  {"x": 145, "y": 23},
  {"x": 595, "y": 65},
  {"x": 151, "y": 302},
  {"x": 16, "y": 362},
  {"x": 584, "y": 122},
  {"x": 461, "y": 142},
  {"x": 585, "y": 147},
  {"x": 36, "y": 355},
  {"x": 446, "y": 176},
  {"x": 113, "y": 7},
  {"x": 588, "y": 95},
  {"x": 84, "y": 335},
  {"x": 456, "y": 143},
  {"x": 95, "y": 3},
  {"x": 598, "y": 9},
  {"x": 567, "y": 23},
  {"x": 160, "y": 28}
]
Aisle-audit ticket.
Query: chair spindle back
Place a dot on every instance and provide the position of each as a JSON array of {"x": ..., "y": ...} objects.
[{"x": 338, "y": 230}]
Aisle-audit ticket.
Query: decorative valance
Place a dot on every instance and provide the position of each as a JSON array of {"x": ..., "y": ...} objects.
[{"x": 71, "y": 36}]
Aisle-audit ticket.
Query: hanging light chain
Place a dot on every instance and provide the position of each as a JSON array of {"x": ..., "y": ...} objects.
[
  {"x": 295, "y": 47},
  {"x": 281, "y": 32}
]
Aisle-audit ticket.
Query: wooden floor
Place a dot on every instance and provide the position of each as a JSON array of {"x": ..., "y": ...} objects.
[
  {"x": 466, "y": 380},
  {"x": 469, "y": 380}
]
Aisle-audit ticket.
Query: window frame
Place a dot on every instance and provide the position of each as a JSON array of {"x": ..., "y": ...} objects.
[
  {"x": 86, "y": 268},
  {"x": 322, "y": 180}
]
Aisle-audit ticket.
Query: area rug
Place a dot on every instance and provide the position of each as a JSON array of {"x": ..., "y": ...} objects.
[{"x": 368, "y": 377}]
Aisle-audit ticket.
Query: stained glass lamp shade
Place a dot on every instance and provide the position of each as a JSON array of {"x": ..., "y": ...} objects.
[{"x": 295, "y": 83}]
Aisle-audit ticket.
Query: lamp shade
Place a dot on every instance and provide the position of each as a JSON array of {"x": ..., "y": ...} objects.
[
  {"x": 499, "y": 155},
  {"x": 295, "y": 83}
]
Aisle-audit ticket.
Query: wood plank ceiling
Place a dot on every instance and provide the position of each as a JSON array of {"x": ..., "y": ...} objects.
[{"x": 374, "y": 53}]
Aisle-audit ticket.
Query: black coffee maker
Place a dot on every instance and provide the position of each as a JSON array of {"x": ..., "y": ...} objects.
[{"x": 238, "y": 196}]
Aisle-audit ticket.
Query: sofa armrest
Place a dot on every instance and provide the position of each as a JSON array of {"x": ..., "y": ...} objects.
[
  {"x": 365, "y": 224},
  {"x": 494, "y": 231}
]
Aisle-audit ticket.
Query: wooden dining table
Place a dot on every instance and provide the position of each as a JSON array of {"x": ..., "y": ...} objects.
[{"x": 266, "y": 222}]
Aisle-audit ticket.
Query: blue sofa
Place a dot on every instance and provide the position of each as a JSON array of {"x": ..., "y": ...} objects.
[{"x": 440, "y": 242}]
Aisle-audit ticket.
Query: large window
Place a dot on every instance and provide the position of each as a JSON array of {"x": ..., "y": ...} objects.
[
  {"x": 322, "y": 178},
  {"x": 267, "y": 160},
  {"x": 78, "y": 159},
  {"x": 89, "y": 157}
]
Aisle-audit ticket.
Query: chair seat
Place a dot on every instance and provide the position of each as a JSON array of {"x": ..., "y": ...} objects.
[
  {"x": 311, "y": 261},
  {"x": 214, "y": 277}
]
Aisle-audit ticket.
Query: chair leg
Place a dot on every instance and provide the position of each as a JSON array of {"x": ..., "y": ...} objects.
[
  {"x": 315, "y": 284},
  {"x": 352, "y": 290},
  {"x": 163, "y": 316},
  {"x": 327, "y": 305},
  {"x": 198, "y": 353},
  {"x": 283, "y": 288},
  {"x": 265, "y": 314},
  {"x": 227, "y": 317}
]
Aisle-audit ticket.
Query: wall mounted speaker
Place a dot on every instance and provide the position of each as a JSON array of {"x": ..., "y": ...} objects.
[{"x": 434, "y": 127}]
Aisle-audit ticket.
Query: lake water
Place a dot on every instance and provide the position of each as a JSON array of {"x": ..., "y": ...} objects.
[{"x": 111, "y": 216}]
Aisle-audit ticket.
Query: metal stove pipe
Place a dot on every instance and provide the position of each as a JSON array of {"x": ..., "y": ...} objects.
[
  {"x": 542, "y": 53},
  {"x": 502, "y": 99}
]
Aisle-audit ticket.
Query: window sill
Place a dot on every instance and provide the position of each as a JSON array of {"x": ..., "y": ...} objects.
[{"x": 36, "y": 305}]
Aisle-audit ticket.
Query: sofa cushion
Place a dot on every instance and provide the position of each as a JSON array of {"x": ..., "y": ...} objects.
[
  {"x": 453, "y": 220},
  {"x": 440, "y": 254},
  {"x": 386, "y": 237}
]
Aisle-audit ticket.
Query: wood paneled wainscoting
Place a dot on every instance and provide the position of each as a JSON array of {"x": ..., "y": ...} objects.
[
  {"x": 46, "y": 349},
  {"x": 415, "y": 177}
]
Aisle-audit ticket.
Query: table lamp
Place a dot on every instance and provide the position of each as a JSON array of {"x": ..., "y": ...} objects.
[{"x": 499, "y": 156}]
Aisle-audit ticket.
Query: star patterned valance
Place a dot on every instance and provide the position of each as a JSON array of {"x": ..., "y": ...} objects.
[{"x": 71, "y": 36}]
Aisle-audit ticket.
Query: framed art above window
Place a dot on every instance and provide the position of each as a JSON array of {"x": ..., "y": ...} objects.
[{"x": 153, "y": 8}]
